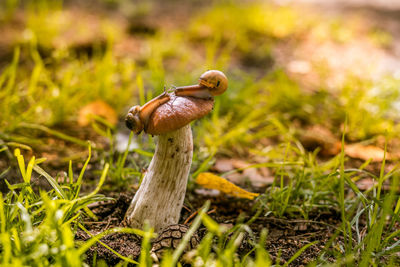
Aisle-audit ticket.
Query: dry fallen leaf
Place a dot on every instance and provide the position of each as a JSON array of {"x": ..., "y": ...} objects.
[
  {"x": 366, "y": 184},
  {"x": 98, "y": 108},
  {"x": 319, "y": 136},
  {"x": 258, "y": 177},
  {"x": 229, "y": 164},
  {"x": 211, "y": 181},
  {"x": 365, "y": 152},
  {"x": 369, "y": 183},
  {"x": 223, "y": 165}
]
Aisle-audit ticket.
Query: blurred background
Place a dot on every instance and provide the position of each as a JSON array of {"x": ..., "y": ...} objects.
[{"x": 299, "y": 71}]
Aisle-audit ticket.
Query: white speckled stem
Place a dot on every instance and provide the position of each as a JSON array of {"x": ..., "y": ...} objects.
[{"x": 160, "y": 197}]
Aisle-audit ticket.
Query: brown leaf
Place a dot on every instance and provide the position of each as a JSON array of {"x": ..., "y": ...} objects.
[
  {"x": 240, "y": 164},
  {"x": 223, "y": 165},
  {"x": 366, "y": 183},
  {"x": 360, "y": 151},
  {"x": 318, "y": 136},
  {"x": 258, "y": 177},
  {"x": 98, "y": 108}
]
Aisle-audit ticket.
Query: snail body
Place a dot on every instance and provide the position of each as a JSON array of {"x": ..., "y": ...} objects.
[{"x": 211, "y": 83}]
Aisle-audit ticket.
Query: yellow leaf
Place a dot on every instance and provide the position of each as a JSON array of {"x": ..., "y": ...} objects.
[
  {"x": 98, "y": 108},
  {"x": 211, "y": 181}
]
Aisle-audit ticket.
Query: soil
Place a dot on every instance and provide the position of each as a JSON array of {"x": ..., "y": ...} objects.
[{"x": 285, "y": 236}]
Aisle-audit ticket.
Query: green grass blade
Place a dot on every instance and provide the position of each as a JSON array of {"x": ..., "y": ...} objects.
[
  {"x": 96, "y": 238},
  {"x": 186, "y": 238},
  {"x": 298, "y": 253},
  {"x": 60, "y": 192},
  {"x": 79, "y": 180},
  {"x": 54, "y": 133}
]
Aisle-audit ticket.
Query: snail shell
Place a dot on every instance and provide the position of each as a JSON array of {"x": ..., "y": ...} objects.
[
  {"x": 215, "y": 81},
  {"x": 133, "y": 121}
]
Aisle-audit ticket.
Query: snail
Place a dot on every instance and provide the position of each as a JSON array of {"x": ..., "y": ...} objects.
[
  {"x": 138, "y": 116},
  {"x": 211, "y": 83}
]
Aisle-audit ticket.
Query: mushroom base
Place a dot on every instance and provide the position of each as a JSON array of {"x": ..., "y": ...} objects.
[{"x": 160, "y": 197}]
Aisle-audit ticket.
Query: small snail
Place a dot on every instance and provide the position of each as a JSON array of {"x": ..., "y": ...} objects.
[
  {"x": 138, "y": 116},
  {"x": 211, "y": 83}
]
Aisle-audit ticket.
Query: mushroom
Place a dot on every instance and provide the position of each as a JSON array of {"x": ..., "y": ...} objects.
[{"x": 160, "y": 196}]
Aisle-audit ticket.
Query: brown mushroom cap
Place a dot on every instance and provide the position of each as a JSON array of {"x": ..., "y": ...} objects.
[{"x": 178, "y": 112}]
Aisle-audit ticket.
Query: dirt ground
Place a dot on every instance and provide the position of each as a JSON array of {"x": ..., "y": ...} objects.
[{"x": 285, "y": 236}]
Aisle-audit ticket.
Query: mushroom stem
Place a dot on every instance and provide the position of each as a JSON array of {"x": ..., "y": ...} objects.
[{"x": 160, "y": 196}]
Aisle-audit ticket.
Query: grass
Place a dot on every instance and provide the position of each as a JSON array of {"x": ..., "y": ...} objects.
[
  {"x": 43, "y": 88},
  {"x": 40, "y": 227}
]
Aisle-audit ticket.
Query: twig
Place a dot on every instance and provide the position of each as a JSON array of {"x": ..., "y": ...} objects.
[
  {"x": 191, "y": 217},
  {"x": 195, "y": 213}
]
